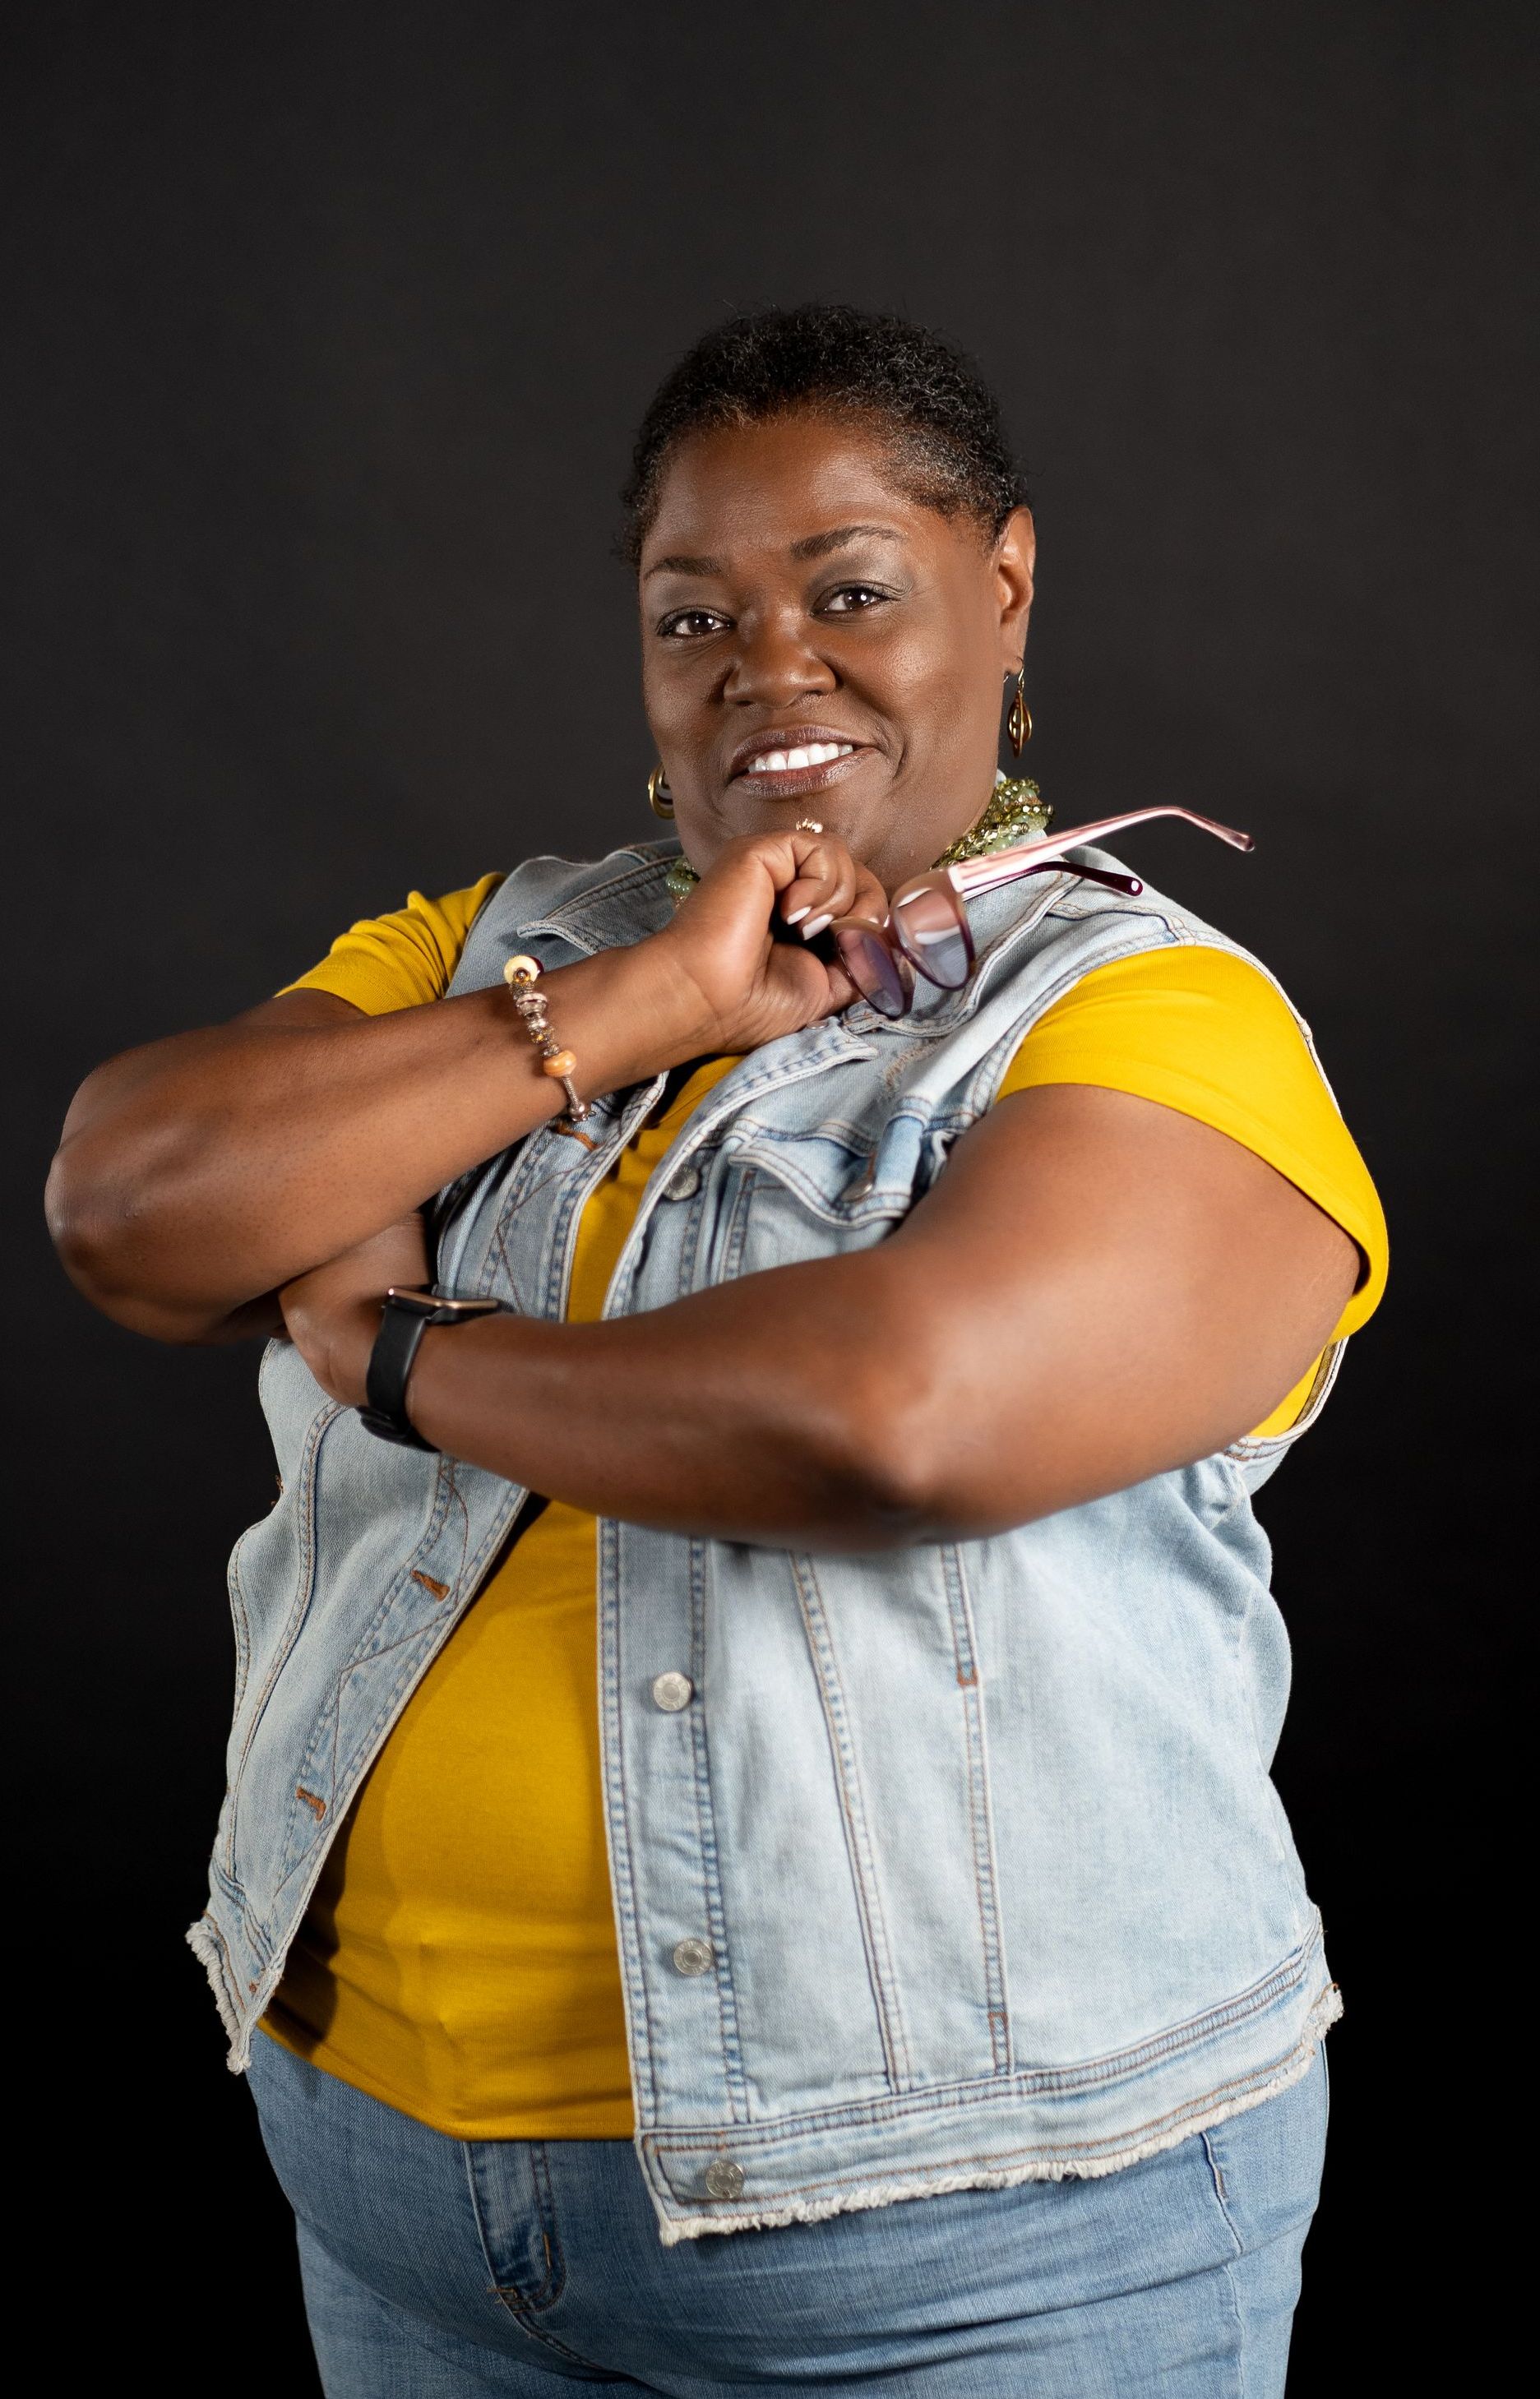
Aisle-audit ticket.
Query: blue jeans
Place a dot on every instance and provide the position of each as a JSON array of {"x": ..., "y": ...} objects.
[{"x": 437, "y": 2268}]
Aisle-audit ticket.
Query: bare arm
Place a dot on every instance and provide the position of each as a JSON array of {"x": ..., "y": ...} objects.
[
  {"x": 197, "y": 1175},
  {"x": 1097, "y": 1289}
]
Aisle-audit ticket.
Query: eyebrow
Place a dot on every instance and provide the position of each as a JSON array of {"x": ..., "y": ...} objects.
[
  {"x": 818, "y": 545},
  {"x": 680, "y": 564},
  {"x": 815, "y": 545}
]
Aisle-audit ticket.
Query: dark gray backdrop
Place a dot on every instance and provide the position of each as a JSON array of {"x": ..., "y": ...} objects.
[{"x": 324, "y": 333}]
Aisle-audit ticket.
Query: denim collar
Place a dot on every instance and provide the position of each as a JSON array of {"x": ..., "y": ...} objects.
[{"x": 634, "y": 903}]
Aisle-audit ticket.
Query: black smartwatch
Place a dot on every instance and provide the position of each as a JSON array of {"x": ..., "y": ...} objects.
[{"x": 403, "y": 1320}]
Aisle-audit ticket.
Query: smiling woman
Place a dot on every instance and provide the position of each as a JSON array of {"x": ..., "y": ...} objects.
[
  {"x": 882, "y": 635},
  {"x": 780, "y": 1723}
]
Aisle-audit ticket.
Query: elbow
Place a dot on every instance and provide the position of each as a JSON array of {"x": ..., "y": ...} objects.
[
  {"x": 96, "y": 1221},
  {"x": 889, "y": 1454},
  {"x": 920, "y": 1436},
  {"x": 88, "y": 1222}
]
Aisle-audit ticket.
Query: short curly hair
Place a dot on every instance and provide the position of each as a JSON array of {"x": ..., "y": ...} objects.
[{"x": 939, "y": 417}]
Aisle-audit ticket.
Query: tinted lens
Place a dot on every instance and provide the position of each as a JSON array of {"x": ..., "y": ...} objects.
[
  {"x": 871, "y": 966},
  {"x": 932, "y": 931}
]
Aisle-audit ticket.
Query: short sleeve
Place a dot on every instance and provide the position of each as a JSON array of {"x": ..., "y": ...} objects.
[
  {"x": 1204, "y": 1032},
  {"x": 403, "y": 960}
]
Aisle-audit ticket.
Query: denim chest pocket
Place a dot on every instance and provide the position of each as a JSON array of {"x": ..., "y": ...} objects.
[{"x": 785, "y": 1198}]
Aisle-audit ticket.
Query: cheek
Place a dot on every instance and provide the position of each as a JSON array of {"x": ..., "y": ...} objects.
[
  {"x": 938, "y": 684},
  {"x": 674, "y": 691},
  {"x": 939, "y": 657},
  {"x": 654, "y": 690}
]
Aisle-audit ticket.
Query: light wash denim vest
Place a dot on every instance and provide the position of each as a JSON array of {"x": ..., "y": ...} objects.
[{"x": 961, "y": 1864}]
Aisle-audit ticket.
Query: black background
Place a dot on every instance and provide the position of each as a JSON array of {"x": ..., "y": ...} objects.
[{"x": 324, "y": 334}]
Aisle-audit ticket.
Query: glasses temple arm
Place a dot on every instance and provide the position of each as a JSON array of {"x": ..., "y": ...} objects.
[
  {"x": 1003, "y": 866},
  {"x": 1128, "y": 883}
]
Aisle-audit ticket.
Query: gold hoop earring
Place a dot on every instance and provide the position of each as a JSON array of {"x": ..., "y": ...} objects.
[
  {"x": 1018, "y": 724},
  {"x": 660, "y": 799}
]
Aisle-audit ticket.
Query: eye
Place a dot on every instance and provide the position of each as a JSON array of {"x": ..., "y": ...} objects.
[
  {"x": 851, "y": 598},
  {"x": 690, "y": 624}
]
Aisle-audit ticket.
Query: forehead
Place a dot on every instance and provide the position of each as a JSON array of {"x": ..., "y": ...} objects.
[{"x": 745, "y": 488}]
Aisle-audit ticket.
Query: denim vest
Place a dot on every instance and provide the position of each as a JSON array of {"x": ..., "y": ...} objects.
[{"x": 961, "y": 1865}]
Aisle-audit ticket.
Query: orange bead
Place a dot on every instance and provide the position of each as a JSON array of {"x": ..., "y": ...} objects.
[{"x": 563, "y": 1064}]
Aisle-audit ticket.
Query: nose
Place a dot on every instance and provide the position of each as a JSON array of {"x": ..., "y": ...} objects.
[{"x": 775, "y": 665}]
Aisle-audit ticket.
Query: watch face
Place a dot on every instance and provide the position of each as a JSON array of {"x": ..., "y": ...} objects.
[
  {"x": 414, "y": 1303},
  {"x": 436, "y": 1306}
]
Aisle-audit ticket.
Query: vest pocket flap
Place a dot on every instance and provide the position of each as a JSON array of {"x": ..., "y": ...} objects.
[{"x": 844, "y": 1174}]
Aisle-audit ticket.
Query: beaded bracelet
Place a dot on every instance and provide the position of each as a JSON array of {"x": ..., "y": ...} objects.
[{"x": 520, "y": 974}]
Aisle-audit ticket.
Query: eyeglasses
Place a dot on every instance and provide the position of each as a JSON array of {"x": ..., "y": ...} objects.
[{"x": 926, "y": 928}]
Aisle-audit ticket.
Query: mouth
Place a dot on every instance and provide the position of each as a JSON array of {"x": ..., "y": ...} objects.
[{"x": 793, "y": 760}]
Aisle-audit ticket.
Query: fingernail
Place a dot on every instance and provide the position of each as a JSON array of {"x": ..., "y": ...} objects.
[
  {"x": 815, "y": 925},
  {"x": 797, "y": 914}
]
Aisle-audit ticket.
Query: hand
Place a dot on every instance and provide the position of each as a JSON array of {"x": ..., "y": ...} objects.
[
  {"x": 750, "y": 987},
  {"x": 333, "y": 1313}
]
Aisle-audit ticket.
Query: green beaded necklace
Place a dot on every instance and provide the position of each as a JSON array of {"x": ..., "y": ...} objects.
[{"x": 1015, "y": 811}]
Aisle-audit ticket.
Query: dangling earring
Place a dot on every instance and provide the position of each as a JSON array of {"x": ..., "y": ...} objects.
[
  {"x": 659, "y": 798},
  {"x": 1018, "y": 724}
]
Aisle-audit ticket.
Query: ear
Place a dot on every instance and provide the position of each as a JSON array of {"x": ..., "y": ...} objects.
[{"x": 1012, "y": 563}]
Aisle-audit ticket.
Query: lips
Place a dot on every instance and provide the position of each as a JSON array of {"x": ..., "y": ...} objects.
[
  {"x": 798, "y": 759},
  {"x": 784, "y": 757}
]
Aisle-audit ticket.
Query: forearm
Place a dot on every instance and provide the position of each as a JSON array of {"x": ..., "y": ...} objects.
[
  {"x": 831, "y": 1406},
  {"x": 200, "y": 1174}
]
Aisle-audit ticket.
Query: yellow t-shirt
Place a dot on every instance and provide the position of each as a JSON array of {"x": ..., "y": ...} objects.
[{"x": 458, "y": 1960}]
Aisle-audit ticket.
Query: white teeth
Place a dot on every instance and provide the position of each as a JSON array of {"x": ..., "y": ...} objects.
[{"x": 791, "y": 762}]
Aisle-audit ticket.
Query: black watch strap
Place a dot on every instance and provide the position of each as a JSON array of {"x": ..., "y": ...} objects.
[{"x": 405, "y": 1318}]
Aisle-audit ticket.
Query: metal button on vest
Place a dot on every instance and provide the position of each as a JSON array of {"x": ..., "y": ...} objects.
[
  {"x": 723, "y": 2180},
  {"x": 685, "y": 1185},
  {"x": 693, "y": 1956},
  {"x": 670, "y": 1692}
]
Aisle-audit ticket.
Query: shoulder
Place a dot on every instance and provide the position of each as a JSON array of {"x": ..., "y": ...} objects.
[
  {"x": 1036, "y": 942},
  {"x": 1182, "y": 1016},
  {"x": 404, "y": 959}
]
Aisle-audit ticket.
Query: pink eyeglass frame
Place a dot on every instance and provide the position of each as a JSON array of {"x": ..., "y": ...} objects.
[{"x": 937, "y": 912}]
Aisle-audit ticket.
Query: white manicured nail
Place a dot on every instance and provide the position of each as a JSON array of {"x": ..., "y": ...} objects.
[
  {"x": 797, "y": 914},
  {"x": 815, "y": 925}
]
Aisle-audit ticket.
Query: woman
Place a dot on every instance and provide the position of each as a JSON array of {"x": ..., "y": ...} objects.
[{"x": 846, "y": 1782}]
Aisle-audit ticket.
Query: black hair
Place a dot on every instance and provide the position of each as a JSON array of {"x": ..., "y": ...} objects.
[{"x": 939, "y": 417}]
